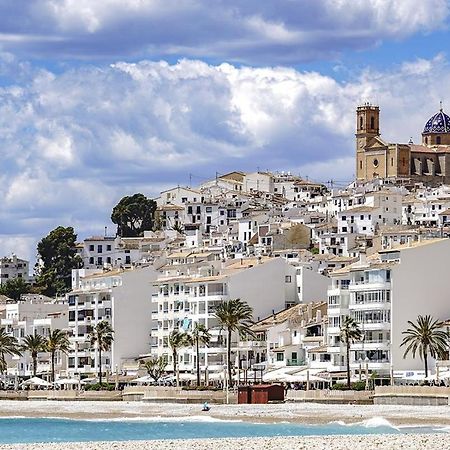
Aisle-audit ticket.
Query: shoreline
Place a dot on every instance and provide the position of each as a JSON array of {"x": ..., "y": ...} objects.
[{"x": 303, "y": 413}]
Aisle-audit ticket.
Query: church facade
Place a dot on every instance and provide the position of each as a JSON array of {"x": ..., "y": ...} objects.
[{"x": 428, "y": 162}]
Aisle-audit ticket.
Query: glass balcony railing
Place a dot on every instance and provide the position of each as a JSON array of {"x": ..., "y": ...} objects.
[{"x": 295, "y": 362}]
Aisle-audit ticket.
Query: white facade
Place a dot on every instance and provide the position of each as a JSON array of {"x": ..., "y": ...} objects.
[
  {"x": 183, "y": 301},
  {"x": 123, "y": 298},
  {"x": 13, "y": 267},
  {"x": 34, "y": 317},
  {"x": 384, "y": 292}
]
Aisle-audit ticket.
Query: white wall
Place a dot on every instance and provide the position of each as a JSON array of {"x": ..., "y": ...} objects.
[
  {"x": 262, "y": 286},
  {"x": 131, "y": 315},
  {"x": 420, "y": 286}
]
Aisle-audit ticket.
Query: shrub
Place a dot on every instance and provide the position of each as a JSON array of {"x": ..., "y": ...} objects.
[
  {"x": 356, "y": 386},
  {"x": 100, "y": 387}
]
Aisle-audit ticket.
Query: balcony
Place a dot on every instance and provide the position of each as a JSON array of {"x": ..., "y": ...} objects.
[
  {"x": 295, "y": 362},
  {"x": 372, "y": 285},
  {"x": 252, "y": 344},
  {"x": 313, "y": 338}
]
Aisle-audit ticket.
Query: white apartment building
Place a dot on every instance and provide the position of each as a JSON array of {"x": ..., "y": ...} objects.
[
  {"x": 123, "y": 298},
  {"x": 99, "y": 252},
  {"x": 179, "y": 196},
  {"x": 34, "y": 316},
  {"x": 13, "y": 267},
  {"x": 182, "y": 301},
  {"x": 296, "y": 337},
  {"x": 382, "y": 293}
]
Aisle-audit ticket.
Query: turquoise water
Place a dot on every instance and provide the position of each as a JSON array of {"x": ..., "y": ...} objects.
[{"x": 22, "y": 430}]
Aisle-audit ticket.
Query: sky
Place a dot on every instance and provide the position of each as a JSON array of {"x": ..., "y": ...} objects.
[{"x": 102, "y": 99}]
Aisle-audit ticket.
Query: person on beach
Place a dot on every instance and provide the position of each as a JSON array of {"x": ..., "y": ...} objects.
[{"x": 206, "y": 407}]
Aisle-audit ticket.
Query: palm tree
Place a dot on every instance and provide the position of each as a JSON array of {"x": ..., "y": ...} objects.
[
  {"x": 56, "y": 341},
  {"x": 155, "y": 367},
  {"x": 425, "y": 337},
  {"x": 34, "y": 343},
  {"x": 177, "y": 340},
  {"x": 8, "y": 346},
  {"x": 102, "y": 336},
  {"x": 234, "y": 316},
  {"x": 200, "y": 335},
  {"x": 350, "y": 332}
]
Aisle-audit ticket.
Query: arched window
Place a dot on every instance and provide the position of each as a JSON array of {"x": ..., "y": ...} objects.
[
  {"x": 438, "y": 140},
  {"x": 360, "y": 122},
  {"x": 426, "y": 139},
  {"x": 372, "y": 123},
  {"x": 360, "y": 164}
]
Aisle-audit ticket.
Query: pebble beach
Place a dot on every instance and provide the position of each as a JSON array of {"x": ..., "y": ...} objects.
[
  {"x": 368, "y": 442},
  {"x": 307, "y": 413}
]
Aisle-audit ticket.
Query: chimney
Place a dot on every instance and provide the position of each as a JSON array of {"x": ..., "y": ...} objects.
[{"x": 362, "y": 256}]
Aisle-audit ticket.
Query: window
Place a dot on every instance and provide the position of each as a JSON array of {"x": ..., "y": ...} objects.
[
  {"x": 438, "y": 140},
  {"x": 209, "y": 209},
  {"x": 183, "y": 199},
  {"x": 344, "y": 229},
  {"x": 100, "y": 260},
  {"x": 360, "y": 122},
  {"x": 108, "y": 260},
  {"x": 91, "y": 260},
  {"x": 372, "y": 123},
  {"x": 288, "y": 279},
  {"x": 280, "y": 356},
  {"x": 108, "y": 247},
  {"x": 360, "y": 165},
  {"x": 361, "y": 217},
  {"x": 91, "y": 247}
]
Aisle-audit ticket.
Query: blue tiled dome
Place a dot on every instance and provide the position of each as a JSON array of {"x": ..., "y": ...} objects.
[{"x": 439, "y": 123}]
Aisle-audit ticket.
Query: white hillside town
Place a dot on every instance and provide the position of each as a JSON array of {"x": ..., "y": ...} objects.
[{"x": 303, "y": 255}]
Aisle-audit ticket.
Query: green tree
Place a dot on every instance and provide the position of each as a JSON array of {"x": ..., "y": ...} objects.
[
  {"x": 155, "y": 367},
  {"x": 425, "y": 337},
  {"x": 177, "y": 340},
  {"x": 133, "y": 215},
  {"x": 56, "y": 341},
  {"x": 350, "y": 332},
  {"x": 200, "y": 336},
  {"x": 58, "y": 256},
  {"x": 14, "y": 288},
  {"x": 102, "y": 337},
  {"x": 34, "y": 343},
  {"x": 8, "y": 346},
  {"x": 234, "y": 316}
]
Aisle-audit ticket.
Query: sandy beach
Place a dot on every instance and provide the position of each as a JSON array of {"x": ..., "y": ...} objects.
[
  {"x": 312, "y": 413},
  {"x": 292, "y": 412}
]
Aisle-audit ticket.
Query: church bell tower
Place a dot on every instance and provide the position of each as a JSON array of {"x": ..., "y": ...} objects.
[{"x": 367, "y": 127}]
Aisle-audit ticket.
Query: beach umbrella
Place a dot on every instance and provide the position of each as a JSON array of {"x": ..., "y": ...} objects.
[
  {"x": 143, "y": 380},
  {"x": 70, "y": 381},
  {"x": 36, "y": 381}
]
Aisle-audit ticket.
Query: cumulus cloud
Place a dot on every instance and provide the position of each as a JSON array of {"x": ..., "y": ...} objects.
[
  {"x": 73, "y": 143},
  {"x": 252, "y": 31}
]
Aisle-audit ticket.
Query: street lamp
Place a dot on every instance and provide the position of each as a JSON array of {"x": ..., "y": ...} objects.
[
  {"x": 366, "y": 360},
  {"x": 360, "y": 368}
]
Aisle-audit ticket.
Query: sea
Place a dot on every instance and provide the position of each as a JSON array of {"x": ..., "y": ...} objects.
[{"x": 28, "y": 430}]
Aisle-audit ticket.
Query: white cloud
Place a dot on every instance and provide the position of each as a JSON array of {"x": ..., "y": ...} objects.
[{"x": 251, "y": 31}]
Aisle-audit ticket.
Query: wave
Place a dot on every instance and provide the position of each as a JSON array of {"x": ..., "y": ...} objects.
[{"x": 373, "y": 422}]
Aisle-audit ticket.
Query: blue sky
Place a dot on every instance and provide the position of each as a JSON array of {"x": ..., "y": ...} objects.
[{"x": 103, "y": 99}]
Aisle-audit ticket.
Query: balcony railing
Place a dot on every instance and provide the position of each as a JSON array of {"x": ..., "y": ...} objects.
[{"x": 295, "y": 362}]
